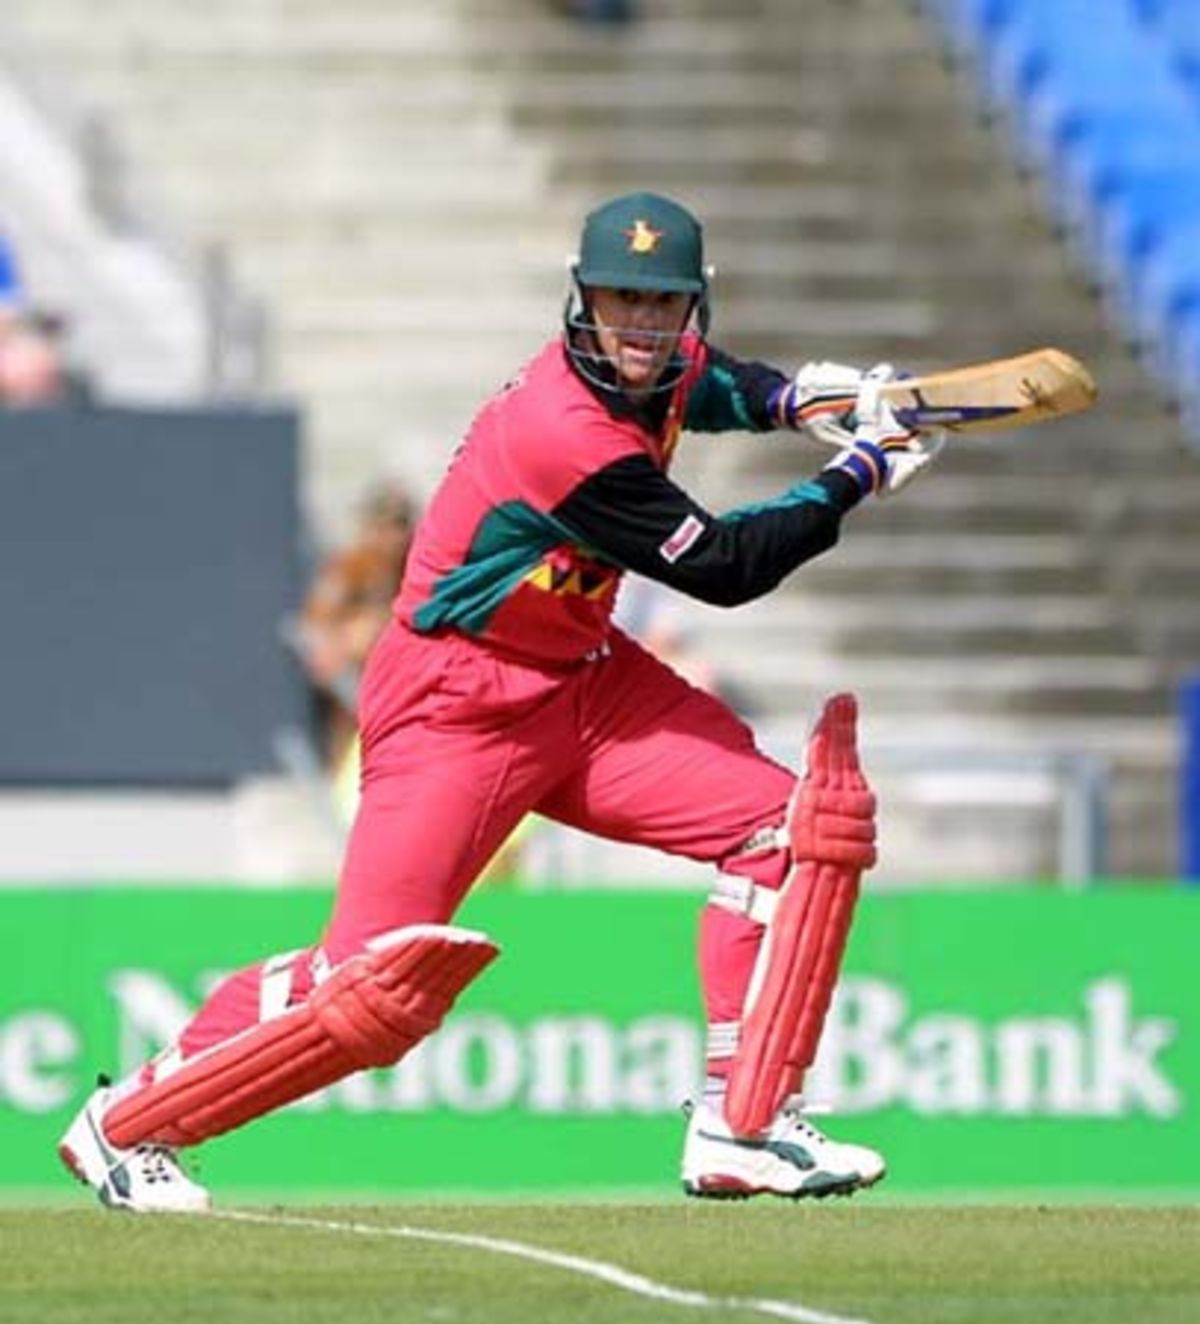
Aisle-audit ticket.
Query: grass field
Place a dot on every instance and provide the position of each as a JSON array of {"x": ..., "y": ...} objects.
[{"x": 611, "y": 1264}]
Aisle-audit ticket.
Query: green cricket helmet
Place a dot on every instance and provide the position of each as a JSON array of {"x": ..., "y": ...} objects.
[
  {"x": 639, "y": 241},
  {"x": 642, "y": 242}
]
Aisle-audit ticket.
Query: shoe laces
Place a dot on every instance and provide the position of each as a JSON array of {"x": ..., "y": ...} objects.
[
  {"x": 795, "y": 1112},
  {"x": 797, "y": 1123},
  {"x": 158, "y": 1164}
]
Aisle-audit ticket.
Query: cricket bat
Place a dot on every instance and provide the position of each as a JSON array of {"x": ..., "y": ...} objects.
[{"x": 1002, "y": 393}]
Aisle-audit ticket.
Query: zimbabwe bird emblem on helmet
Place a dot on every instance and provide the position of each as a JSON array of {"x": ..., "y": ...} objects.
[{"x": 643, "y": 238}]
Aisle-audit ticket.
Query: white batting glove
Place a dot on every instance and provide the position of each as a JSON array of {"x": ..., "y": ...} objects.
[
  {"x": 820, "y": 402},
  {"x": 885, "y": 456}
]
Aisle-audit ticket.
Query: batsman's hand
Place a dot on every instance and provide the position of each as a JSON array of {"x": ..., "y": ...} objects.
[
  {"x": 820, "y": 402},
  {"x": 906, "y": 453}
]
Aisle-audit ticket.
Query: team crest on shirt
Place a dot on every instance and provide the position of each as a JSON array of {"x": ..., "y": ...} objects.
[{"x": 643, "y": 237}]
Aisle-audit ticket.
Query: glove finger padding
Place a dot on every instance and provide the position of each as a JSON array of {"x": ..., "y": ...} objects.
[
  {"x": 875, "y": 419},
  {"x": 820, "y": 402},
  {"x": 907, "y": 453}
]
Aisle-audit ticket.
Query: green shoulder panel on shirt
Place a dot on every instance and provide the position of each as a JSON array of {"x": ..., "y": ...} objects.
[
  {"x": 716, "y": 405},
  {"x": 509, "y": 542}
]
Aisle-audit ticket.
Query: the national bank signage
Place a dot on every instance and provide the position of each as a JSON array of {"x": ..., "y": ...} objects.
[{"x": 1022, "y": 1041}]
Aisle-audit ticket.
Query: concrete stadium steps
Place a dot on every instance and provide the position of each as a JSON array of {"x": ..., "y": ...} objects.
[
  {"x": 887, "y": 627},
  {"x": 937, "y": 667},
  {"x": 984, "y": 684},
  {"x": 980, "y": 566},
  {"x": 985, "y": 805},
  {"x": 323, "y": 131},
  {"x": 992, "y": 828}
]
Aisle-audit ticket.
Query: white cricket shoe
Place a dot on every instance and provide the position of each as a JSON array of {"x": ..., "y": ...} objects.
[
  {"x": 146, "y": 1179},
  {"x": 791, "y": 1158}
]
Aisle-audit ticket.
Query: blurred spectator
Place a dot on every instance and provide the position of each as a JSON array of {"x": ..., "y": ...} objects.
[
  {"x": 348, "y": 604},
  {"x": 34, "y": 369}
]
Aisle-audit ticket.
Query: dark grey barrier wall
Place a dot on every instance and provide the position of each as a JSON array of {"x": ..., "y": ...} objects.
[{"x": 146, "y": 560}]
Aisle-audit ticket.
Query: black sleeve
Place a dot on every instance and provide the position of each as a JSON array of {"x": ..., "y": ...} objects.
[{"x": 631, "y": 513}]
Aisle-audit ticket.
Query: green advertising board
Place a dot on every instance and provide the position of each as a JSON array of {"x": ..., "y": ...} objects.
[{"x": 1012, "y": 1043}]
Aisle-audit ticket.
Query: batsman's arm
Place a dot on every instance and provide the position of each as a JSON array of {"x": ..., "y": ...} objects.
[{"x": 634, "y": 515}]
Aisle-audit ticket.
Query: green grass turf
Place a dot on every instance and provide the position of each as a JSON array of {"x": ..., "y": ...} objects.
[{"x": 891, "y": 1265}]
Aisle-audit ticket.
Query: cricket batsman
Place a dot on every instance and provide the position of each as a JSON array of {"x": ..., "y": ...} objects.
[{"x": 501, "y": 687}]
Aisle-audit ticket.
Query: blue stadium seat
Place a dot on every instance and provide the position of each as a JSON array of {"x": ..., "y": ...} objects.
[
  {"x": 1111, "y": 153},
  {"x": 1166, "y": 289},
  {"x": 1116, "y": 76},
  {"x": 1061, "y": 35},
  {"x": 1136, "y": 217},
  {"x": 1176, "y": 23},
  {"x": 1102, "y": 101},
  {"x": 1094, "y": 148},
  {"x": 1164, "y": 296}
]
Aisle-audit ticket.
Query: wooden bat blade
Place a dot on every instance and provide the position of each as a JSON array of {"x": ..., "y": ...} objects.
[{"x": 1002, "y": 393}]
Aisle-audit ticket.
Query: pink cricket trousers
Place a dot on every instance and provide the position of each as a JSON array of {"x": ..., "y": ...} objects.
[{"x": 459, "y": 744}]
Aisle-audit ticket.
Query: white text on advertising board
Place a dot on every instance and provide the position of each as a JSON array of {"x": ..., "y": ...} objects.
[{"x": 1106, "y": 1059}]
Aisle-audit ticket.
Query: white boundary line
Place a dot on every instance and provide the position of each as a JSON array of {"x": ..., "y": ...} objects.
[{"x": 606, "y": 1273}]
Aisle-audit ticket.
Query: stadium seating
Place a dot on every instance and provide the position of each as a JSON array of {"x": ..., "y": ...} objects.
[
  {"x": 402, "y": 181},
  {"x": 1101, "y": 99},
  {"x": 1111, "y": 167},
  {"x": 1163, "y": 295},
  {"x": 1177, "y": 24},
  {"x": 1132, "y": 224}
]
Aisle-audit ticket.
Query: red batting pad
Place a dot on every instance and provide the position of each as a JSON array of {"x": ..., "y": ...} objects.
[
  {"x": 781, "y": 1031},
  {"x": 370, "y": 1011},
  {"x": 833, "y": 839}
]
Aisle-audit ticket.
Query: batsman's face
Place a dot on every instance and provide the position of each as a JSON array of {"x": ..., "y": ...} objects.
[{"x": 638, "y": 331}]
